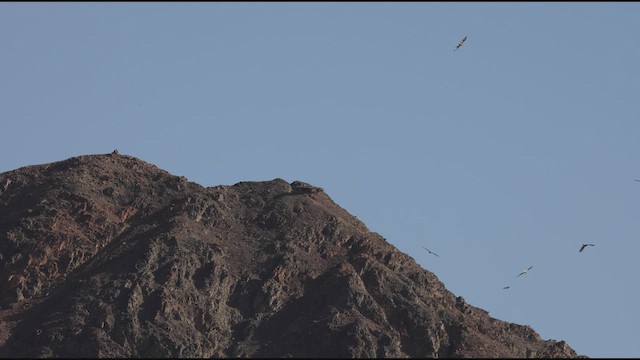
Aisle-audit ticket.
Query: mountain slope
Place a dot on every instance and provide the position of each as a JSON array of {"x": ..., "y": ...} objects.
[{"x": 110, "y": 256}]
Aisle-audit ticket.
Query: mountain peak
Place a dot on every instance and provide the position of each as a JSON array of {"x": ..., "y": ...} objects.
[{"x": 110, "y": 256}]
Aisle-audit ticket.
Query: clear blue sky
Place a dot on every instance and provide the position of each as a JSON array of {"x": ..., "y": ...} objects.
[{"x": 510, "y": 152}]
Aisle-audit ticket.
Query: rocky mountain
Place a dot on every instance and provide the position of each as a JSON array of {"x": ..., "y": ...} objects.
[{"x": 110, "y": 256}]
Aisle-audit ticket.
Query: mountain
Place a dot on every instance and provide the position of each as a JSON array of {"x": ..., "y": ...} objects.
[{"x": 110, "y": 256}]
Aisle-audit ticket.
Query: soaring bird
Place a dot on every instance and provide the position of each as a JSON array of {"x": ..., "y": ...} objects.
[
  {"x": 525, "y": 271},
  {"x": 584, "y": 246},
  {"x": 460, "y": 43},
  {"x": 430, "y": 252},
  {"x": 506, "y": 287}
]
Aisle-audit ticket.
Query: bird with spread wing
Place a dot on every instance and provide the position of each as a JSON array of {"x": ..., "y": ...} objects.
[
  {"x": 460, "y": 43},
  {"x": 584, "y": 246},
  {"x": 525, "y": 271},
  {"x": 430, "y": 252}
]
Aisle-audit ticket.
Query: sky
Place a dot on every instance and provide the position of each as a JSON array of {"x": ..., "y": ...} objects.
[{"x": 510, "y": 152}]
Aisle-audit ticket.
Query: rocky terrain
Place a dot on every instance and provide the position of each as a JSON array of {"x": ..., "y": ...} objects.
[{"x": 110, "y": 256}]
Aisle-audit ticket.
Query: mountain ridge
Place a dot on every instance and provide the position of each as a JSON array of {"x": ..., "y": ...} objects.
[{"x": 110, "y": 256}]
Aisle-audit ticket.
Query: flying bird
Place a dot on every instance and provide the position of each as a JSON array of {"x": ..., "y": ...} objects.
[
  {"x": 584, "y": 246},
  {"x": 506, "y": 287},
  {"x": 460, "y": 43},
  {"x": 430, "y": 252},
  {"x": 525, "y": 271}
]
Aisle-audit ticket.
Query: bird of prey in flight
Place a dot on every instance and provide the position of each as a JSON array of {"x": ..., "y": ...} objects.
[
  {"x": 430, "y": 252},
  {"x": 525, "y": 271},
  {"x": 460, "y": 43},
  {"x": 584, "y": 246}
]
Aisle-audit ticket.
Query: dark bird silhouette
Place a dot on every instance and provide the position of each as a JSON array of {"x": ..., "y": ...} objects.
[
  {"x": 506, "y": 287},
  {"x": 584, "y": 246},
  {"x": 525, "y": 271},
  {"x": 430, "y": 252},
  {"x": 460, "y": 43}
]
